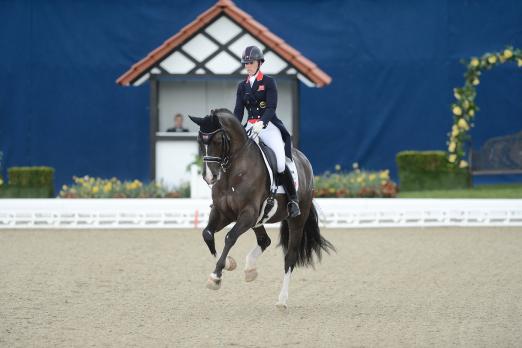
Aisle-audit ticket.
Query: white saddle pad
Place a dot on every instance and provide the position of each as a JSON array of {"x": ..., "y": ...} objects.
[{"x": 289, "y": 163}]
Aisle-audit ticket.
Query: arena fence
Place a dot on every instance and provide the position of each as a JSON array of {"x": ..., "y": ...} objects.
[{"x": 193, "y": 213}]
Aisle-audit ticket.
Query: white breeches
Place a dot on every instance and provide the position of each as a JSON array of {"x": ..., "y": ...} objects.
[{"x": 271, "y": 136}]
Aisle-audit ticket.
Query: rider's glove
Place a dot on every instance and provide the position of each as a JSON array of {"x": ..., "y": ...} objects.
[{"x": 257, "y": 127}]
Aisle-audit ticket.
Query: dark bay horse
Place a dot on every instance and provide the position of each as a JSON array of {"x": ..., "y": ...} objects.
[{"x": 234, "y": 166}]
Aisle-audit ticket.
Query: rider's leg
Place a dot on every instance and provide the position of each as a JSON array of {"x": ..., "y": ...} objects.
[{"x": 271, "y": 136}]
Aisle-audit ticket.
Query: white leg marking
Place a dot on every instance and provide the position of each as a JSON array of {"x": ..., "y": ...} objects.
[
  {"x": 283, "y": 295},
  {"x": 213, "y": 282},
  {"x": 252, "y": 257}
]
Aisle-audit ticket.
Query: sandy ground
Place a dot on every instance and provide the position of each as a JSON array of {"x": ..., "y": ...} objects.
[{"x": 384, "y": 288}]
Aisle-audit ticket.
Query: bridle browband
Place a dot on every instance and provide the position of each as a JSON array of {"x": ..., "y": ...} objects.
[{"x": 224, "y": 159}]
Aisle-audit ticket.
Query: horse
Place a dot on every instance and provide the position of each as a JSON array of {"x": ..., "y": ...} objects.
[{"x": 235, "y": 169}]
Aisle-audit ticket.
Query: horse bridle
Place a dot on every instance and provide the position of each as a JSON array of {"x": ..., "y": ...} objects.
[{"x": 224, "y": 159}]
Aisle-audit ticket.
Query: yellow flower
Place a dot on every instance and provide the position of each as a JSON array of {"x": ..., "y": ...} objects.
[
  {"x": 471, "y": 112},
  {"x": 385, "y": 174},
  {"x": 107, "y": 187},
  {"x": 508, "y": 53},
  {"x": 519, "y": 62},
  {"x": 372, "y": 176},
  {"x": 463, "y": 164},
  {"x": 452, "y": 158},
  {"x": 465, "y": 104},
  {"x": 475, "y": 62},
  {"x": 457, "y": 110},
  {"x": 462, "y": 124},
  {"x": 452, "y": 146},
  {"x": 492, "y": 59},
  {"x": 95, "y": 189},
  {"x": 64, "y": 187},
  {"x": 454, "y": 131},
  {"x": 475, "y": 81},
  {"x": 456, "y": 94}
]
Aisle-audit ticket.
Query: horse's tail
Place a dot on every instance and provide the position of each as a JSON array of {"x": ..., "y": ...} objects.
[{"x": 311, "y": 240}]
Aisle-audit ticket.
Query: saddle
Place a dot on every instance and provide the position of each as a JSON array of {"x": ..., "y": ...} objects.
[
  {"x": 271, "y": 165},
  {"x": 270, "y": 204}
]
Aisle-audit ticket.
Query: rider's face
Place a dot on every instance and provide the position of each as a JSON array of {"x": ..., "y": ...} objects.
[{"x": 251, "y": 68}]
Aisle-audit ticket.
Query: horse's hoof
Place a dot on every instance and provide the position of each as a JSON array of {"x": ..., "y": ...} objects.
[
  {"x": 213, "y": 283},
  {"x": 230, "y": 264},
  {"x": 283, "y": 307},
  {"x": 250, "y": 275}
]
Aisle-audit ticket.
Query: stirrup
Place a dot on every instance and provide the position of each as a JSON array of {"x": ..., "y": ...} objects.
[{"x": 293, "y": 209}]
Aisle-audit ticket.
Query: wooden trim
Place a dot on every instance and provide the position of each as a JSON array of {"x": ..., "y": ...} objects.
[
  {"x": 161, "y": 136},
  {"x": 295, "y": 112},
  {"x": 214, "y": 77},
  {"x": 153, "y": 123},
  {"x": 497, "y": 172}
]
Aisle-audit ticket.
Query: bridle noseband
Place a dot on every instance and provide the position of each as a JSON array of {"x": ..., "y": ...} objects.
[{"x": 224, "y": 159}]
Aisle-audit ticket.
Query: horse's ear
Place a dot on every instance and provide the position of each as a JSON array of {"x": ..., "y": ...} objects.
[{"x": 196, "y": 120}]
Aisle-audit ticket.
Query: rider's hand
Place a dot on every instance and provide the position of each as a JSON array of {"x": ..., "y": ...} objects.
[{"x": 257, "y": 127}]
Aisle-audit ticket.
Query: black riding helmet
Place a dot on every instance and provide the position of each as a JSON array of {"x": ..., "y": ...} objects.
[{"x": 252, "y": 53}]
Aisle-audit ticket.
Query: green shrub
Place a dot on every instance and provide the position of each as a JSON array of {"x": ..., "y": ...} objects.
[
  {"x": 28, "y": 182},
  {"x": 429, "y": 170}
]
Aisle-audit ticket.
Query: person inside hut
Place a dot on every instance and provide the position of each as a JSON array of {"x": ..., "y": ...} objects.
[{"x": 178, "y": 124}]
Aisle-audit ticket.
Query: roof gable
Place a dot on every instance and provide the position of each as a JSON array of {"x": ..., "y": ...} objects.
[{"x": 213, "y": 43}]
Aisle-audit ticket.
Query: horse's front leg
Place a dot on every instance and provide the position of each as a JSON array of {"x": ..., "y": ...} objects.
[
  {"x": 246, "y": 220},
  {"x": 216, "y": 222},
  {"x": 263, "y": 241}
]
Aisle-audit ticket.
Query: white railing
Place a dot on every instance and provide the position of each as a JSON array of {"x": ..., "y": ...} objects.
[{"x": 193, "y": 213}]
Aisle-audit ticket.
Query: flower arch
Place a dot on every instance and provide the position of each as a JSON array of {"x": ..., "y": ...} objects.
[{"x": 464, "y": 107}]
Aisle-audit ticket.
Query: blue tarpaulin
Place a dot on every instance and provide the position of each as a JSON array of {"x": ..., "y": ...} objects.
[{"x": 394, "y": 65}]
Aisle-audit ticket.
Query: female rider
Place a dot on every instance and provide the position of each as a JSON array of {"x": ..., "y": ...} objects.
[{"x": 258, "y": 94}]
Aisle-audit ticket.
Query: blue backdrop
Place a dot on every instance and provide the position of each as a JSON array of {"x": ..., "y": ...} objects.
[{"x": 394, "y": 66}]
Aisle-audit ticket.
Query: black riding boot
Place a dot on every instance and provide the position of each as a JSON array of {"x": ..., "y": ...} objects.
[{"x": 287, "y": 181}]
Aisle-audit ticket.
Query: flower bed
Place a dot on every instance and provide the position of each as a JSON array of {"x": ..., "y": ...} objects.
[
  {"x": 88, "y": 187},
  {"x": 355, "y": 184}
]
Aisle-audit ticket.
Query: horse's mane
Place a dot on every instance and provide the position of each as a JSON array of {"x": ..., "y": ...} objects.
[
  {"x": 224, "y": 114},
  {"x": 228, "y": 120}
]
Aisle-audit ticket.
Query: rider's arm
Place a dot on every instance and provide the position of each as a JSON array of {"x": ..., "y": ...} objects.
[
  {"x": 239, "y": 110},
  {"x": 271, "y": 101}
]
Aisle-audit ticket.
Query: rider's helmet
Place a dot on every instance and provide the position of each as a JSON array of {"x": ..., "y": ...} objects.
[{"x": 252, "y": 53}]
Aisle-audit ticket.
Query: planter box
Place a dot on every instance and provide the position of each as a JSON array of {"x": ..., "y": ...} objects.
[{"x": 198, "y": 186}]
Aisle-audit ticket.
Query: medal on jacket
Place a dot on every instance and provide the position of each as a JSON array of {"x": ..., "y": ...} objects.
[{"x": 262, "y": 104}]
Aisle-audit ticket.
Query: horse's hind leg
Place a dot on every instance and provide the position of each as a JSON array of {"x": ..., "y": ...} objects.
[
  {"x": 294, "y": 229},
  {"x": 263, "y": 241}
]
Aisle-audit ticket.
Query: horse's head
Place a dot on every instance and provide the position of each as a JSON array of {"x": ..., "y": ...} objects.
[{"x": 214, "y": 146}]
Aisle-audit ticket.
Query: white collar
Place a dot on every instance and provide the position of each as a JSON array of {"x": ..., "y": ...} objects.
[{"x": 252, "y": 78}]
